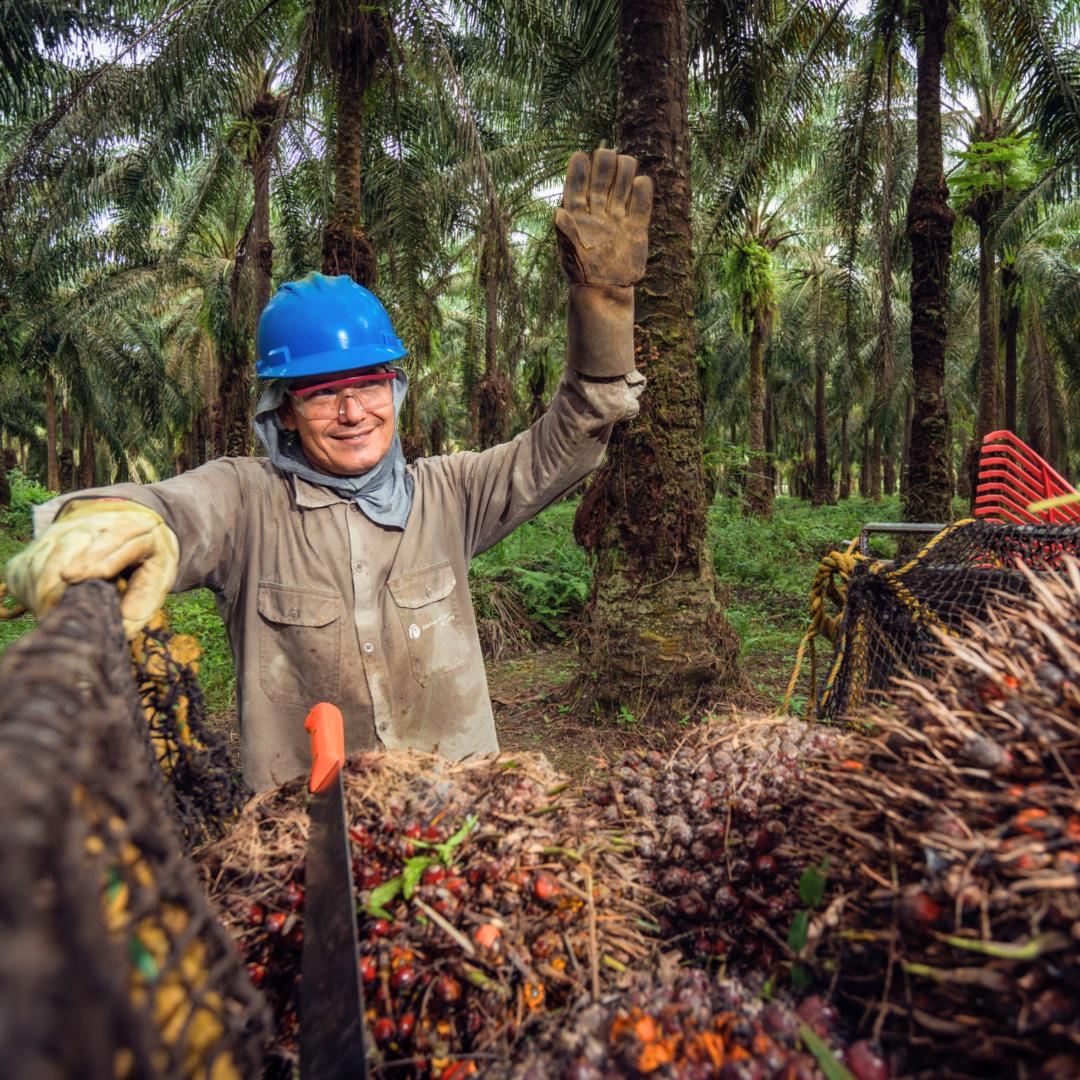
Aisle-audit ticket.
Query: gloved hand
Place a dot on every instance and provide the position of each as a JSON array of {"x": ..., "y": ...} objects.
[
  {"x": 603, "y": 235},
  {"x": 99, "y": 538}
]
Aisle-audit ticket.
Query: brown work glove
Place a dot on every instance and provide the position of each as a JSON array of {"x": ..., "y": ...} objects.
[{"x": 603, "y": 234}]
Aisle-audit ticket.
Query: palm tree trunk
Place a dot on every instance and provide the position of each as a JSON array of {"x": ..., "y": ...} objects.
[
  {"x": 1010, "y": 329},
  {"x": 845, "y": 457},
  {"x": 864, "y": 463},
  {"x": 249, "y": 289},
  {"x": 759, "y": 490},
  {"x": 87, "y": 456},
  {"x": 53, "y": 478},
  {"x": 493, "y": 407},
  {"x": 874, "y": 480},
  {"x": 929, "y": 228},
  {"x": 654, "y": 637},
  {"x": 888, "y": 474},
  {"x": 987, "y": 376},
  {"x": 823, "y": 494},
  {"x": 67, "y": 451},
  {"x": 346, "y": 248}
]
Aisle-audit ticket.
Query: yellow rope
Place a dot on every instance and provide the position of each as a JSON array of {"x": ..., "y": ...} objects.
[{"x": 837, "y": 564}]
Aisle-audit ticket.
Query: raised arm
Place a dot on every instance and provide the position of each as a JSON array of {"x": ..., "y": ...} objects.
[{"x": 602, "y": 229}]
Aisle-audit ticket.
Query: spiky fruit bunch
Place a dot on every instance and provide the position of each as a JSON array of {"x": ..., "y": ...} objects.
[
  {"x": 683, "y": 1024},
  {"x": 488, "y": 896},
  {"x": 715, "y": 824},
  {"x": 954, "y": 835}
]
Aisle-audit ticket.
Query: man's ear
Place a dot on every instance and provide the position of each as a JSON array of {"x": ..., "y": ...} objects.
[{"x": 287, "y": 415}]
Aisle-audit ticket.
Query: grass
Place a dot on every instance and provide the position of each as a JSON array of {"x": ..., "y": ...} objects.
[{"x": 765, "y": 568}]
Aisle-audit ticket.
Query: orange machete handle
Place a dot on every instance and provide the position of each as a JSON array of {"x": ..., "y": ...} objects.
[{"x": 327, "y": 728}]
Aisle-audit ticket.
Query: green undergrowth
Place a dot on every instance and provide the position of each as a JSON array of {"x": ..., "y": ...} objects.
[{"x": 534, "y": 584}]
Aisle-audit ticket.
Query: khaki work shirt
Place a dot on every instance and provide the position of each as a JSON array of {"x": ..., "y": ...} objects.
[{"x": 322, "y": 604}]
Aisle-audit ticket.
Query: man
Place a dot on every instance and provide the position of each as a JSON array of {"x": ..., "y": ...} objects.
[{"x": 341, "y": 573}]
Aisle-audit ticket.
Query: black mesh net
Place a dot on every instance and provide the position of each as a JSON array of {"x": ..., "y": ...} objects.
[
  {"x": 891, "y": 610},
  {"x": 112, "y": 962}
]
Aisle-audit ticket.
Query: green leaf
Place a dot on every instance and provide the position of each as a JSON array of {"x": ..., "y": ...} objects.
[
  {"x": 445, "y": 851},
  {"x": 833, "y": 1069},
  {"x": 812, "y": 883},
  {"x": 414, "y": 870},
  {"x": 800, "y": 980},
  {"x": 382, "y": 896},
  {"x": 797, "y": 935}
]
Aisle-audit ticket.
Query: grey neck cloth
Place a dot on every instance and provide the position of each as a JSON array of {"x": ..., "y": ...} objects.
[{"x": 384, "y": 493}]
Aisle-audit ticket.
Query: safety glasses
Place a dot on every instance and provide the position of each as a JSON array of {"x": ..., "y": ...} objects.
[{"x": 325, "y": 400}]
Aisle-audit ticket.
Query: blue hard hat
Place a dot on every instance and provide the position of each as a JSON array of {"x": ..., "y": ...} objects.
[{"x": 319, "y": 325}]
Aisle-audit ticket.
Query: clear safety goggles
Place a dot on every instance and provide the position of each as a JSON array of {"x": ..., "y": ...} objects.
[{"x": 325, "y": 400}]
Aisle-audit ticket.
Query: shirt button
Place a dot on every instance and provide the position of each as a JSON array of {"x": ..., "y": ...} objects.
[
  {"x": 429, "y": 591},
  {"x": 358, "y": 565},
  {"x": 369, "y": 647},
  {"x": 383, "y": 726},
  {"x": 293, "y": 612}
]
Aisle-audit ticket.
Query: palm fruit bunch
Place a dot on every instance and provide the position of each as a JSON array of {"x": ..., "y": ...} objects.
[
  {"x": 203, "y": 792},
  {"x": 716, "y": 825},
  {"x": 684, "y": 1024},
  {"x": 953, "y": 833},
  {"x": 487, "y": 898}
]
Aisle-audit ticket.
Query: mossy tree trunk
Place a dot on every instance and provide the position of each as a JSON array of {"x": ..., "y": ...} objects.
[
  {"x": 67, "y": 450},
  {"x": 87, "y": 456},
  {"x": 1010, "y": 329},
  {"x": 357, "y": 49},
  {"x": 249, "y": 287},
  {"x": 823, "y": 492},
  {"x": 929, "y": 229},
  {"x": 654, "y": 637},
  {"x": 759, "y": 482},
  {"x": 845, "y": 457},
  {"x": 53, "y": 460},
  {"x": 986, "y": 416},
  {"x": 494, "y": 391}
]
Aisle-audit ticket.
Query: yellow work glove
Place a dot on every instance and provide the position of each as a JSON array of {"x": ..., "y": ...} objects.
[{"x": 99, "y": 538}]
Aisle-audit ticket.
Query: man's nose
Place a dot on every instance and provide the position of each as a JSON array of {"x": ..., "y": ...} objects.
[{"x": 351, "y": 408}]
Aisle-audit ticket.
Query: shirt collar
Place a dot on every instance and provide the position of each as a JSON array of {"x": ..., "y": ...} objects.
[{"x": 311, "y": 496}]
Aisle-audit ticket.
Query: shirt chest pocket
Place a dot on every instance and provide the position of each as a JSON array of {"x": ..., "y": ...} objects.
[
  {"x": 299, "y": 644},
  {"x": 427, "y": 608}
]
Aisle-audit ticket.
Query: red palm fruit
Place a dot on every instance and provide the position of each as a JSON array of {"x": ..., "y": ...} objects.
[
  {"x": 379, "y": 928},
  {"x": 405, "y": 1025},
  {"x": 361, "y": 838},
  {"x": 275, "y": 921},
  {"x": 433, "y": 875},
  {"x": 765, "y": 866},
  {"x": 256, "y": 914},
  {"x": 545, "y": 887},
  {"x": 454, "y": 885},
  {"x": 369, "y": 876},
  {"x": 413, "y": 832},
  {"x": 403, "y": 978},
  {"x": 296, "y": 936},
  {"x": 919, "y": 909},
  {"x": 447, "y": 989},
  {"x": 294, "y": 895},
  {"x": 383, "y": 1030},
  {"x": 257, "y": 973},
  {"x": 369, "y": 969},
  {"x": 433, "y": 834}
]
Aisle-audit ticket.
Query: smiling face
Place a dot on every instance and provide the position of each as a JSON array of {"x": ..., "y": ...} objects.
[{"x": 356, "y": 435}]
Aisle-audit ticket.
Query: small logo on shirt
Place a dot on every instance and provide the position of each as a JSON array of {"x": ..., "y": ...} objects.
[{"x": 414, "y": 631}]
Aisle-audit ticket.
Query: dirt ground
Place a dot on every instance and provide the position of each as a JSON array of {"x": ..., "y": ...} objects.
[{"x": 536, "y": 709}]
